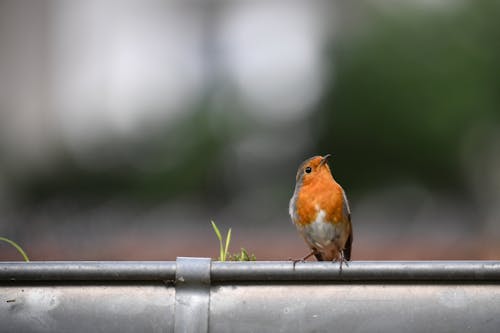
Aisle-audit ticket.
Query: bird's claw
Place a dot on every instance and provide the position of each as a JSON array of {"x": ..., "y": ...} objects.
[
  {"x": 341, "y": 261},
  {"x": 303, "y": 259},
  {"x": 295, "y": 261}
]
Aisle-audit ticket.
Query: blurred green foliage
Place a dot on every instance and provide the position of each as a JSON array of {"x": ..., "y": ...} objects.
[
  {"x": 181, "y": 158},
  {"x": 405, "y": 91}
]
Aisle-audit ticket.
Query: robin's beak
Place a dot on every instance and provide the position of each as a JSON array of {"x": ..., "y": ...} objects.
[{"x": 323, "y": 160}]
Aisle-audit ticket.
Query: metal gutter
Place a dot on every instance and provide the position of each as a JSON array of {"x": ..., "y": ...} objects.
[
  {"x": 88, "y": 271},
  {"x": 254, "y": 271},
  {"x": 198, "y": 295}
]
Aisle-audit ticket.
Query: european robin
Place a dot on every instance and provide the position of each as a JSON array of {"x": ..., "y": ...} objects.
[{"x": 320, "y": 211}]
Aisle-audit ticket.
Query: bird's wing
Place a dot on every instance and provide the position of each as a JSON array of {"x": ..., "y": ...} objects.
[
  {"x": 348, "y": 247},
  {"x": 345, "y": 207},
  {"x": 347, "y": 215}
]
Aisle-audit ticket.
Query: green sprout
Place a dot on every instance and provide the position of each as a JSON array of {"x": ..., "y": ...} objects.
[
  {"x": 18, "y": 248},
  {"x": 224, "y": 250},
  {"x": 242, "y": 256}
]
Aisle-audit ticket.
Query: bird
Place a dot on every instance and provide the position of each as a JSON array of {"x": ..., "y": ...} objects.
[{"x": 320, "y": 211}]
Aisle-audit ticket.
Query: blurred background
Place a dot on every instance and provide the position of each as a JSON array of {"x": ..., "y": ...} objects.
[{"x": 126, "y": 126}]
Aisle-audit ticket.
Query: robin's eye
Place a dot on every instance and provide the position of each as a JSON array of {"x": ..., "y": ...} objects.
[{"x": 308, "y": 170}]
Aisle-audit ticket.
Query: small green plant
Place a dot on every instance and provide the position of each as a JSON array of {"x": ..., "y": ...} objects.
[
  {"x": 223, "y": 250},
  {"x": 224, "y": 254},
  {"x": 18, "y": 248},
  {"x": 242, "y": 256}
]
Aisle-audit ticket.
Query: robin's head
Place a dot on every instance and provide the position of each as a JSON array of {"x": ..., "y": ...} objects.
[{"x": 313, "y": 168}]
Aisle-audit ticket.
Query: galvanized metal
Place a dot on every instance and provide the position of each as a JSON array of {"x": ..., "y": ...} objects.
[
  {"x": 192, "y": 295},
  {"x": 255, "y": 271},
  {"x": 197, "y": 295},
  {"x": 357, "y": 271},
  {"x": 353, "y": 307},
  {"x": 87, "y": 271},
  {"x": 91, "y": 307}
]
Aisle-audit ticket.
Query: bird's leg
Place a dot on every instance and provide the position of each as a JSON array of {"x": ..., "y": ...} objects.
[
  {"x": 342, "y": 260},
  {"x": 302, "y": 259}
]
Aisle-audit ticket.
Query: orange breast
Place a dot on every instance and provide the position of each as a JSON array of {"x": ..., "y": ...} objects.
[{"x": 317, "y": 196}]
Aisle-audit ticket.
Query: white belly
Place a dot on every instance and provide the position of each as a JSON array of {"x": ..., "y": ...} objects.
[
  {"x": 327, "y": 238},
  {"x": 322, "y": 235}
]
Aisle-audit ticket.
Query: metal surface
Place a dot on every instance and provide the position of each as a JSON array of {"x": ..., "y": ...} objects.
[
  {"x": 87, "y": 271},
  {"x": 355, "y": 308},
  {"x": 192, "y": 295},
  {"x": 357, "y": 271},
  {"x": 255, "y": 271},
  {"x": 197, "y": 295},
  {"x": 109, "y": 307}
]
